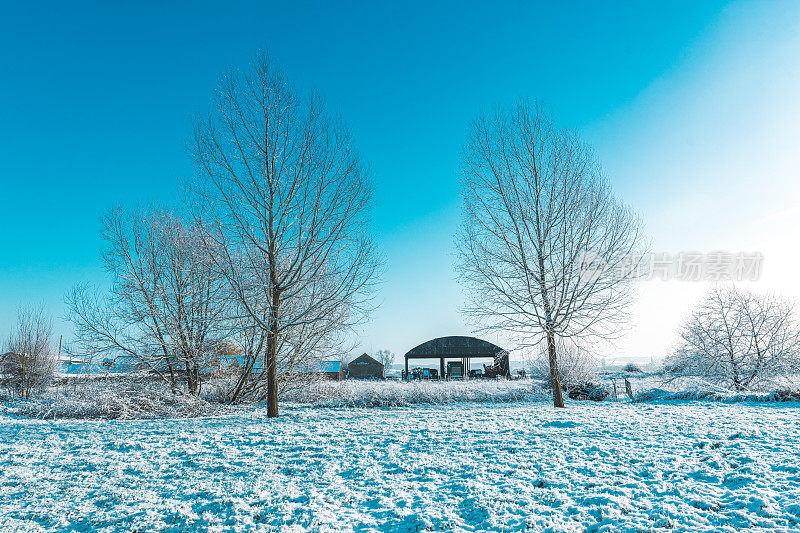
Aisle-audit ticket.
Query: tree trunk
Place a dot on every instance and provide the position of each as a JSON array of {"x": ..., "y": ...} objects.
[
  {"x": 735, "y": 373},
  {"x": 272, "y": 358},
  {"x": 558, "y": 397},
  {"x": 197, "y": 378},
  {"x": 191, "y": 380}
]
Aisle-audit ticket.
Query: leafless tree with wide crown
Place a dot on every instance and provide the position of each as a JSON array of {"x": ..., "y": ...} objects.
[
  {"x": 535, "y": 206},
  {"x": 166, "y": 310},
  {"x": 284, "y": 198}
]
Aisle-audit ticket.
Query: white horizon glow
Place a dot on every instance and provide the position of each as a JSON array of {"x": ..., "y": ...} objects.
[{"x": 709, "y": 156}]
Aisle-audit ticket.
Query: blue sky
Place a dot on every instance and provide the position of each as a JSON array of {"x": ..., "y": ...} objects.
[{"x": 97, "y": 100}]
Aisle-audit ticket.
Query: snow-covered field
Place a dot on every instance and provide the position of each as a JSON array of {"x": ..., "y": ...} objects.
[{"x": 463, "y": 467}]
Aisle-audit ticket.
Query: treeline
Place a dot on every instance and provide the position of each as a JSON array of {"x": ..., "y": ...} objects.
[{"x": 270, "y": 262}]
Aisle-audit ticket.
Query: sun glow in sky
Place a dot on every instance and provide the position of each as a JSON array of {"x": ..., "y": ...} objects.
[{"x": 693, "y": 108}]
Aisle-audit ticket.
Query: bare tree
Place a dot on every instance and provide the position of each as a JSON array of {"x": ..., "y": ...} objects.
[
  {"x": 738, "y": 338},
  {"x": 535, "y": 207},
  {"x": 284, "y": 198},
  {"x": 386, "y": 358},
  {"x": 29, "y": 361},
  {"x": 165, "y": 311}
]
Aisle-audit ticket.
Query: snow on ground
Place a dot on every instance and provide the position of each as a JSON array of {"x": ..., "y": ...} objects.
[{"x": 462, "y": 467}]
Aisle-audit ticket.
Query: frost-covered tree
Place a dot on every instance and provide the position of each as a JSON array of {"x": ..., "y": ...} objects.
[
  {"x": 166, "y": 310},
  {"x": 284, "y": 197},
  {"x": 536, "y": 205},
  {"x": 29, "y": 362},
  {"x": 632, "y": 368},
  {"x": 738, "y": 338},
  {"x": 385, "y": 357}
]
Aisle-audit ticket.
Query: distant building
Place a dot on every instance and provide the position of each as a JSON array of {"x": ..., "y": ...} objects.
[
  {"x": 330, "y": 370},
  {"x": 463, "y": 350},
  {"x": 365, "y": 367},
  {"x": 70, "y": 365}
]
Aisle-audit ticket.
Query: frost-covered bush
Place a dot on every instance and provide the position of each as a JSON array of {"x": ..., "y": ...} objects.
[
  {"x": 657, "y": 395},
  {"x": 114, "y": 400},
  {"x": 694, "y": 388},
  {"x": 27, "y": 366},
  {"x": 739, "y": 339},
  {"x": 394, "y": 393},
  {"x": 150, "y": 399},
  {"x": 575, "y": 365},
  {"x": 632, "y": 368},
  {"x": 588, "y": 391}
]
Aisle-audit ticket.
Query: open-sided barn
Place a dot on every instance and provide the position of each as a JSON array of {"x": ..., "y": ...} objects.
[{"x": 455, "y": 354}]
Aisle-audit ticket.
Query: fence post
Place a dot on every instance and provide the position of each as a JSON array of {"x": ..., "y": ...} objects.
[{"x": 628, "y": 390}]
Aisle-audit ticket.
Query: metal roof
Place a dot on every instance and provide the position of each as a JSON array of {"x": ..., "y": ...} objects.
[
  {"x": 365, "y": 359},
  {"x": 454, "y": 346},
  {"x": 322, "y": 366},
  {"x": 331, "y": 366}
]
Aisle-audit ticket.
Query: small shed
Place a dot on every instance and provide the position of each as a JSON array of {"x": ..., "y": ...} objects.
[
  {"x": 365, "y": 367},
  {"x": 331, "y": 370}
]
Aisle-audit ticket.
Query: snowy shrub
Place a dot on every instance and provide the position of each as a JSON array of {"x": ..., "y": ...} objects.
[
  {"x": 661, "y": 395},
  {"x": 221, "y": 388},
  {"x": 115, "y": 400},
  {"x": 588, "y": 391},
  {"x": 575, "y": 366},
  {"x": 393, "y": 393},
  {"x": 632, "y": 368},
  {"x": 147, "y": 398}
]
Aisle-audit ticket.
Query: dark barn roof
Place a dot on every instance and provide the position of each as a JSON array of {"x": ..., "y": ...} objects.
[
  {"x": 365, "y": 367},
  {"x": 365, "y": 359},
  {"x": 455, "y": 346}
]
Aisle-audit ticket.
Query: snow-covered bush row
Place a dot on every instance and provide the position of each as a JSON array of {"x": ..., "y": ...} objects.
[
  {"x": 114, "y": 400},
  {"x": 393, "y": 393},
  {"x": 656, "y": 388},
  {"x": 117, "y": 399},
  {"x": 657, "y": 395}
]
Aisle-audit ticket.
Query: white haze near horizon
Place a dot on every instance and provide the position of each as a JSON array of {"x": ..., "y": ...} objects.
[
  {"x": 710, "y": 157},
  {"x": 708, "y": 154}
]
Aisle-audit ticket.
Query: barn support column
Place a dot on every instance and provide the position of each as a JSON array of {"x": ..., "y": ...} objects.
[
  {"x": 406, "y": 368},
  {"x": 441, "y": 368}
]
